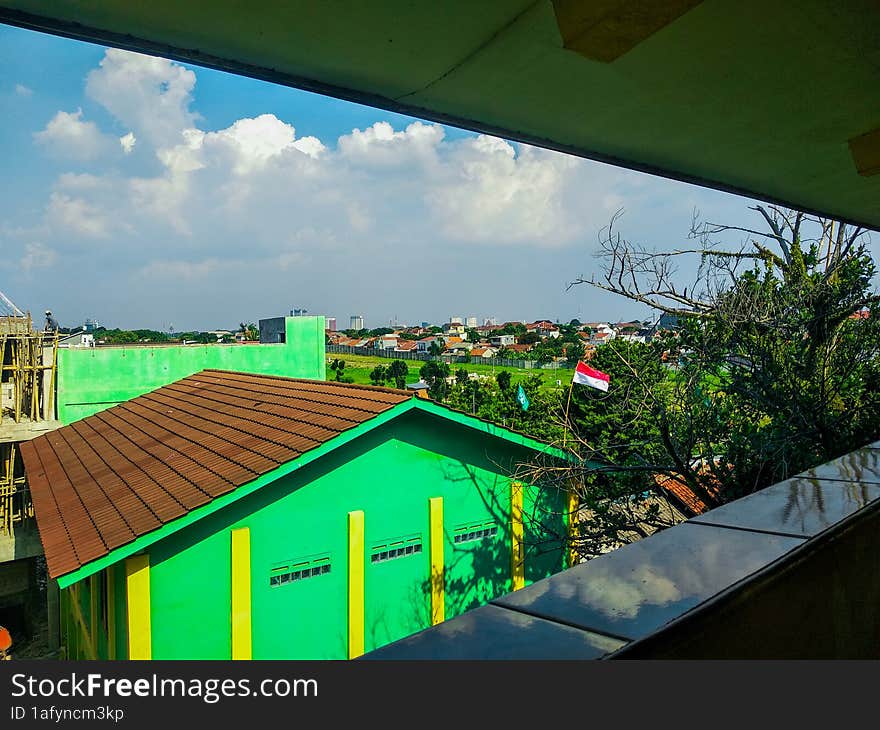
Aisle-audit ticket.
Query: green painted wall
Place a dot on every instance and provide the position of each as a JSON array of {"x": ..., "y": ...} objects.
[
  {"x": 389, "y": 473},
  {"x": 92, "y": 379}
]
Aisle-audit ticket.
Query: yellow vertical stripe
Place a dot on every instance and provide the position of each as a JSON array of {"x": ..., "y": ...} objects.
[
  {"x": 137, "y": 587},
  {"x": 241, "y": 593},
  {"x": 517, "y": 559},
  {"x": 572, "y": 509},
  {"x": 94, "y": 595},
  {"x": 435, "y": 513},
  {"x": 111, "y": 612},
  {"x": 355, "y": 584}
]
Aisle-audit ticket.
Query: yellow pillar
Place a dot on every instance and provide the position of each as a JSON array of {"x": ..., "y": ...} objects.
[
  {"x": 111, "y": 613},
  {"x": 137, "y": 586},
  {"x": 517, "y": 558},
  {"x": 241, "y": 593},
  {"x": 356, "y": 561},
  {"x": 438, "y": 591},
  {"x": 573, "y": 503}
]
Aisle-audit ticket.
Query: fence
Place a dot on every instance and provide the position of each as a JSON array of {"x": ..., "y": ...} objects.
[{"x": 450, "y": 359}]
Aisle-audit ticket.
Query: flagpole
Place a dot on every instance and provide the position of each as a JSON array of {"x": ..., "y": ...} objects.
[{"x": 567, "y": 404}]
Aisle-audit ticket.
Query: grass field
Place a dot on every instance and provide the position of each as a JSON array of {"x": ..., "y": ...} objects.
[{"x": 359, "y": 367}]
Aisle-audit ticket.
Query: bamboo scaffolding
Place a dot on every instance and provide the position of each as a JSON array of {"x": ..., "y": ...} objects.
[{"x": 28, "y": 361}]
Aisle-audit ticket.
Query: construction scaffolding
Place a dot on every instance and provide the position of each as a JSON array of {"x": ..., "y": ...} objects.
[
  {"x": 28, "y": 360},
  {"x": 15, "y": 503}
]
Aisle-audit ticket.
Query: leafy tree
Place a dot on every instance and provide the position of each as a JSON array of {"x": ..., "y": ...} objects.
[
  {"x": 503, "y": 380},
  {"x": 397, "y": 371},
  {"x": 378, "y": 375},
  {"x": 528, "y": 338},
  {"x": 774, "y": 367},
  {"x": 434, "y": 374},
  {"x": 435, "y": 349},
  {"x": 250, "y": 331},
  {"x": 473, "y": 335},
  {"x": 338, "y": 367},
  {"x": 461, "y": 376},
  {"x": 574, "y": 352}
]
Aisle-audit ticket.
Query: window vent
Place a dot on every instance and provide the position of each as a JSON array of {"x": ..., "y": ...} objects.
[
  {"x": 293, "y": 571},
  {"x": 394, "y": 549},
  {"x": 474, "y": 531}
]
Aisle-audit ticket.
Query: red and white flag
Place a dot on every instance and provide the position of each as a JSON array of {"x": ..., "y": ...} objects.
[{"x": 585, "y": 375}]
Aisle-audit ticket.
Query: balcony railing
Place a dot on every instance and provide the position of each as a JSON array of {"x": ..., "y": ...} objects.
[{"x": 790, "y": 571}]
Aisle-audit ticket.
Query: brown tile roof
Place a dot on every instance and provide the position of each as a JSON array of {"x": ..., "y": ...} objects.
[
  {"x": 680, "y": 491},
  {"x": 100, "y": 483}
]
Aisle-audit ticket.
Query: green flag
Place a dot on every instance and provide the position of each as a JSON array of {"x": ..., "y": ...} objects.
[{"x": 522, "y": 398}]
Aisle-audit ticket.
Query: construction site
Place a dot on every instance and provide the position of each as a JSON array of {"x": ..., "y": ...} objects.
[{"x": 27, "y": 410}]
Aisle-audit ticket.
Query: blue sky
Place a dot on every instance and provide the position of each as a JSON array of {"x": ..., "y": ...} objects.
[{"x": 146, "y": 193}]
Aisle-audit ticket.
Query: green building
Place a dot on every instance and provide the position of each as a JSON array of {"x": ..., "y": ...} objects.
[
  {"x": 234, "y": 515},
  {"x": 91, "y": 379}
]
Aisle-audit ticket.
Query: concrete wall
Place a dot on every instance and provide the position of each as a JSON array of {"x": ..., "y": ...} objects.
[{"x": 93, "y": 379}]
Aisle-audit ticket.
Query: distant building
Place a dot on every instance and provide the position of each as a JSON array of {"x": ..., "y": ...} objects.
[
  {"x": 91, "y": 325},
  {"x": 471, "y": 323},
  {"x": 331, "y": 323},
  {"x": 77, "y": 339},
  {"x": 357, "y": 322},
  {"x": 491, "y": 322},
  {"x": 455, "y": 320}
]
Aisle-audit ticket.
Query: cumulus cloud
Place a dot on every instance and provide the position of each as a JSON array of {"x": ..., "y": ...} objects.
[
  {"x": 23, "y": 90},
  {"x": 150, "y": 96},
  {"x": 254, "y": 202},
  {"x": 67, "y": 136}
]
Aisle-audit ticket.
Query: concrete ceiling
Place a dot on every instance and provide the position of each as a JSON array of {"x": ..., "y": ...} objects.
[{"x": 776, "y": 100}]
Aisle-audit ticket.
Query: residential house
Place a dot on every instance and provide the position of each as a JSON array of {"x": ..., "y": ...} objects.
[
  {"x": 484, "y": 352},
  {"x": 424, "y": 344},
  {"x": 543, "y": 328},
  {"x": 407, "y": 346},
  {"x": 386, "y": 342},
  {"x": 502, "y": 340}
]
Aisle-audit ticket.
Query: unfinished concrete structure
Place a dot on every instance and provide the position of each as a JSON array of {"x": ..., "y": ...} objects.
[{"x": 27, "y": 409}]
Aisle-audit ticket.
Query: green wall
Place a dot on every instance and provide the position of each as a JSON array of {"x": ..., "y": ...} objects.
[
  {"x": 95, "y": 378},
  {"x": 389, "y": 473}
]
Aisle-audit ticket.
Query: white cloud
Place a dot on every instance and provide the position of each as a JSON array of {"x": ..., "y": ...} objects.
[
  {"x": 69, "y": 137},
  {"x": 78, "y": 216},
  {"x": 37, "y": 256},
  {"x": 148, "y": 95},
  {"x": 127, "y": 141},
  {"x": 380, "y": 216},
  {"x": 23, "y": 90}
]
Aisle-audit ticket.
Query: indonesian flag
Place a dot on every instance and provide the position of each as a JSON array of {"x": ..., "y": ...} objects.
[{"x": 585, "y": 375}]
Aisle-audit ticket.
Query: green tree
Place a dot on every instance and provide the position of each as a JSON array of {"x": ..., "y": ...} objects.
[
  {"x": 378, "y": 375},
  {"x": 250, "y": 331},
  {"x": 772, "y": 368},
  {"x": 435, "y": 349},
  {"x": 503, "y": 380},
  {"x": 338, "y": 367},
  {"x": 461, "y": 376},
  {"x": 434, "y": 374},
  {"x": 473, "y": 335},
  {"x": 397, "y": 371}
]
